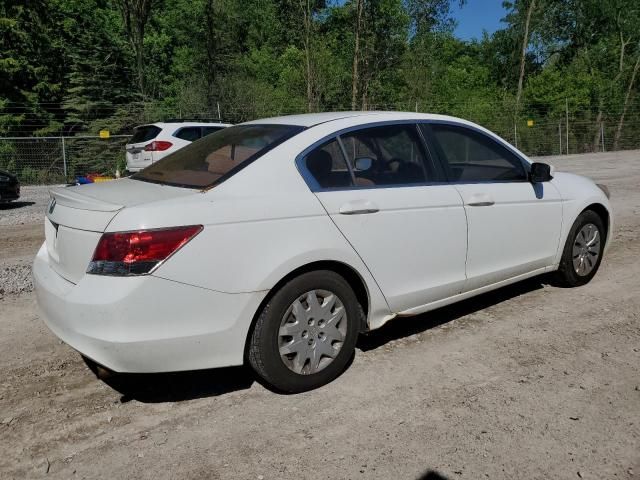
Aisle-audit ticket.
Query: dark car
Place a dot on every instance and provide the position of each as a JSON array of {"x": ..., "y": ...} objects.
[{"x": 9, "y": 187}]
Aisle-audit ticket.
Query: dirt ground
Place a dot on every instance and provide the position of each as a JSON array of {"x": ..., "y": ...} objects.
[{"x": 530, "y": 381}]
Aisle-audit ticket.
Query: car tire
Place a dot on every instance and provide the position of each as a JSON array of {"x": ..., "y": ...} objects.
[
  {"x": 572, "y": 272},
  {"x": 294, "y": 338}
]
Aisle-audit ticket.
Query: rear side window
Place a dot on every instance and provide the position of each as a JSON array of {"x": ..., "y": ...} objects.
[
  {"x": 214, "y": 158},
  {"x": 327, "y": 166},
  {"x": 471, "y": 156},
  {"x": 208, "y": 130},
  {"x": 145, "y": 133},
  {"x": 386, "y": 155},
  {"x": 190, "y": 134}
]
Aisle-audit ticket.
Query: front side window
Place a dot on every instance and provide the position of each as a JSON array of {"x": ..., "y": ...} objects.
[
  {"x": 216, "y": 157},
  {"x": 190, "y": 134},
  {"x": 471, "y": 156}
]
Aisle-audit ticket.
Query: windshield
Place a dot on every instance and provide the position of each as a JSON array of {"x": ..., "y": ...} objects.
[{"x": 218, "y": 156}]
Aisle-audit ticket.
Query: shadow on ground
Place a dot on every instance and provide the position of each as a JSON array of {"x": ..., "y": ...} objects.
[
  {"x": 181, "y": 386},
  {"x": 432, "y": 475},
  {"x": 405, "y": 327},
  {"x": 15, "y": 205}
]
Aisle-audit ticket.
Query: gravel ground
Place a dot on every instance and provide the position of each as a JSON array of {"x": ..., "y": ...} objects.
[
  {"x": 28, "y": 209},
  {"x": 530, "y": 381},
  {"x": 21, "y": 220}
]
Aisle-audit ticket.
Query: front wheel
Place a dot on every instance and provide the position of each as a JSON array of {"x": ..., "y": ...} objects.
[
  {"x": 305, "y": 335},
  {"x": 582, "y": 253}
]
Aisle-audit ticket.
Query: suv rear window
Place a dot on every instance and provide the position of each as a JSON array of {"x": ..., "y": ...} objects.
[
  {"x": 145, "y": 133},
  {"x": 218, "y": 156}
]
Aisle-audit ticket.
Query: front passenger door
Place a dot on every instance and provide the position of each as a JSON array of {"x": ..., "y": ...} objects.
[{"x": 514, "y": 225}]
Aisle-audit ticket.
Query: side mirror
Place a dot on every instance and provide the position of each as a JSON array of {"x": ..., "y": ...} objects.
[
  {"x": 540, "y": 172},
  {"x": 363, "y": 164}
]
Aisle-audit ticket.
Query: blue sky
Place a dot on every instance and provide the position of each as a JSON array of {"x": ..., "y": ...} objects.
[{"x": 476, "y": 16}]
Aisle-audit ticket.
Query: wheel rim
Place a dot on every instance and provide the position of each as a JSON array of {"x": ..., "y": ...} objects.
[
  {"x": 586, "y": 249},
  {"x": 312, "y": 332}
]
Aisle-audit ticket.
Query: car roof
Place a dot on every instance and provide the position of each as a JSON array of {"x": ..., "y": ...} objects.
[{"x": 311, "y": 119}]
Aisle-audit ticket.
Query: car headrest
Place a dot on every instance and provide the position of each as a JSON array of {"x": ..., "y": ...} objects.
[{"x": 319, "y": 163}]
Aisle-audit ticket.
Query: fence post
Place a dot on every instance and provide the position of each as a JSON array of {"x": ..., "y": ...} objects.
[
  {"x": 602, "y": 135},
  {"x": 219, "y": 116},
  {"x": 64, "y": 159},
  {"x": 567, "y": 113},
  {"x": 560, "y": 135},
  {"x": 515, "y": 133}
]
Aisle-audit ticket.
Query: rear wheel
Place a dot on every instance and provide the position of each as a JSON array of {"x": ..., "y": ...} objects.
[
  {"x": 582, "y": 253},
  {"x": 305, "y": 335}
]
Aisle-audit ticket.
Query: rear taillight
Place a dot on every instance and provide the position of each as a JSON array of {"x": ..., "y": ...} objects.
[
  {"x": 138, "y": 253},
  {"x": 157, "y": 146}
]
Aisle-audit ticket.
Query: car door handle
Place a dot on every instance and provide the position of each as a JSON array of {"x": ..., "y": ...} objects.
[
  {"x": 480, "y": 200},
  {"x": 358, "y": 207}
]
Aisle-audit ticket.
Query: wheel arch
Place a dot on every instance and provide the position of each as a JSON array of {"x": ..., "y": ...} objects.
[
  {"x": 603, "y": 213},
  {"x": 350, "y": 274}
]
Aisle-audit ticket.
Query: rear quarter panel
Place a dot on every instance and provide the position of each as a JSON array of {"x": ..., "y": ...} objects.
[{"x": 260, "y": 225}]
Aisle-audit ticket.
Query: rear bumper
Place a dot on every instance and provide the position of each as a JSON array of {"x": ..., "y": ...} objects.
[
  {"x": 140, "y": 163},
  {"x": 137, "y": 166},
  {"x": 146, "y": 158},
  {"x": 145, "y": 324}
]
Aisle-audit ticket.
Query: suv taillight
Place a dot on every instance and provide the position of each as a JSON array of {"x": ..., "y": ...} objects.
[
  {"x": 138, "y": 253},
  {"x": 157, "y": 146}
]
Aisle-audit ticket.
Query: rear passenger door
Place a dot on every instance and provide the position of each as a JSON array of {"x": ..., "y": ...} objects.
[
  {"x": 514, "y": 225},
  {"x": 380, "y": 188}
]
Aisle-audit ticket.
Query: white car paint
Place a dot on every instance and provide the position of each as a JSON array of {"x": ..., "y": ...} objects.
[
  {"x": 139, "y": 158},
  {"x": 525, "y": 221},
  {"x": 422, "y": 230},
  {"x": 425, "y": 246}
]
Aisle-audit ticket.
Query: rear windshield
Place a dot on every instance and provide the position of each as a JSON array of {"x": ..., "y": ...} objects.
[
  {"x": 145, "y": 133},
  {"x": 216, "y": 157}
]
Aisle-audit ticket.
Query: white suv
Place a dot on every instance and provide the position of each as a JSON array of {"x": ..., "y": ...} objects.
[{"x": 154, "y": 141}]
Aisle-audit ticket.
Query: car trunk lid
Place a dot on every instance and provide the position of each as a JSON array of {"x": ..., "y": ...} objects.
[{"x": 76, "y": 217}]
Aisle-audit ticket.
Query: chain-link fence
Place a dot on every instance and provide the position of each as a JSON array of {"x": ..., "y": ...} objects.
[
  {"x": 41, "y": 160},
  {"x": 46, "y": 160}
]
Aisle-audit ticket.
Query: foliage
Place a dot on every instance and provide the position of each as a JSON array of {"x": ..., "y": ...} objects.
[{"x": 78, "y": 66}]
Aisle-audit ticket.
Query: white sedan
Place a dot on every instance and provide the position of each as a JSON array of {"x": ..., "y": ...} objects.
[{"x": 278, "y": 241}]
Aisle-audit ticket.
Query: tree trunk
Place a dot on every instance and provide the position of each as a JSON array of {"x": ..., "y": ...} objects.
[
  {"x": 135, "y": 14},
  {"x": 211, "y": 43},
  {"x": 597, "y": 135},
  {"x": 523, "y": 56},
  {"x": 623, "y": 45},
  {"x": 356, "y": 55},
  {"x": 616, "y": 138},
  {"x": 309, "y": 75},
  {"x": 139, "y": 49}
]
